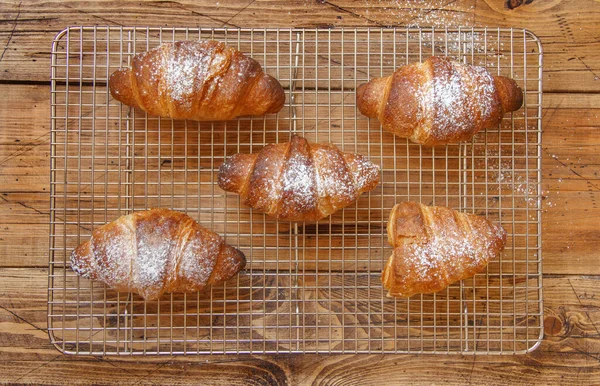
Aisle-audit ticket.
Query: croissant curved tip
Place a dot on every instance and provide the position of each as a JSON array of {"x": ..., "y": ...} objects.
[
  {"x": 240, "y": 258},
  {"x": 266, "y": 96},
  {"x": 222, "y": 177},
  {"x": 231, "y": 261},
  {"x": 361, "y": 100},
  {"x": 120, "y": 87},
  {"x": 278, "y": 97},
  {"x": 369, "y": 96},
  {"x": 511, "y": 95}
]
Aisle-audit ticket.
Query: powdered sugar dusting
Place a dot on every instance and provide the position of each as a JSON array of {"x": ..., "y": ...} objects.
[
  {"x": 150, "y": 267},
  {"x": 504, "y": 174},
  {"x": 113, "y": 255},
  {"x": 324, "y": 180},
  {"x": 367, "y": 174},
  {"x": 298, "y": 182},
  {"x": 304, "y": 183},
  {"x": 147, "y": 253},
  {"x": 199, "y": 256},
  {"x": 336, "y": 181},
  {"x": 447, "y": 249},
  {"x": 180, "y": 76},
  {"x": 190, "y": 66},
  {"x": 264, "y": 187},
  {"x": 456, "y": 100},
  {"x": 447, "y": 252}
]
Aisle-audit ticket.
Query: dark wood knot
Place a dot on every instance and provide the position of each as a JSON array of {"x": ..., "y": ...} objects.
[
  {"x": 553, "y": 326},
  {"x": 512, "y": 4}
]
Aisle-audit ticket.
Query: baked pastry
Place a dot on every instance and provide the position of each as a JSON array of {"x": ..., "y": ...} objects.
[
  {"x": 156, "y": 251},
  {"x": 436, "y": 246},
  {"x": 439, "y": 101},
  {"x": 298, "y": 181},
  {"x": 197, "y": 80}
]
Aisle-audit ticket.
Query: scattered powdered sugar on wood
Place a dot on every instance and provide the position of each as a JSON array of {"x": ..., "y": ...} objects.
[
  {"x": 506, "y": 175},
  {"x": 439, "y": 15},
  {"x": 420, "y": 13}
]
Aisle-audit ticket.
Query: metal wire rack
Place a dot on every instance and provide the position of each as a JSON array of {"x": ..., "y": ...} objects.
[{"x": 308, "y": 287}]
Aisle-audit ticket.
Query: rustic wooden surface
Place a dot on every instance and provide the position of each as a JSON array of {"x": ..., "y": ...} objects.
[{"x": 570, "y": 352}]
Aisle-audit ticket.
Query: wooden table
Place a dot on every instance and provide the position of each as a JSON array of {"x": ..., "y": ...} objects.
[{"x": 570, "y": 352}]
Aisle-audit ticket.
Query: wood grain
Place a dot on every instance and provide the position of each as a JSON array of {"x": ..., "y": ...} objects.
[
  {"x": 572, "y": 314},
  {"x": 570, "y": 352},
  {"x": 570, "y": 178},
  {"x": 567, "y": 34}
]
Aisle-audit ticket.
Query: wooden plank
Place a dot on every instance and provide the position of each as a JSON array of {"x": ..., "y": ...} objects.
[
  {"x": 565, "y": 30},
  {"x": 24, "y": 153},
  {"x": 107, "y": 371},
  {"x": 570, "y": 175},
  {"x": 26, "y": 292},
  {"x": 306, "y": 370},
  {"x": 24, "y": 208},
  {"x": 24, "y": 245},
  {"x": 571, "y": 185},
  {"x": 568, "y": 352}
]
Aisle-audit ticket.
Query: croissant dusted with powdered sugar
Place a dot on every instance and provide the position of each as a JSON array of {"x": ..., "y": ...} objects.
[
  {"x": 436, "y": 246},
  {"x": 298, "y": 181},
  {"x": 156, "y": 251},
  {"x": 198, "y": 80},
  {"x": 439, "y": 101}
]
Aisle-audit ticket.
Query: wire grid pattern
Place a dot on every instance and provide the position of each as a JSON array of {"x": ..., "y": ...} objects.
[{"x": 307, "y": 287}]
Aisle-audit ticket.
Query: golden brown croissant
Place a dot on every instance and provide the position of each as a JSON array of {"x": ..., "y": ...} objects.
[
  {"x": 156, "y": 251},
  {"x": 198, "y": 80},
  {"x": 436, "y": 246},
  {"x": 439, "y": 101},
  {"x": 298, "y": 181}
]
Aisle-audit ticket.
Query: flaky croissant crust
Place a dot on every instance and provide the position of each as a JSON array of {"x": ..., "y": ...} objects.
[
  {"x": 156, "y": 251},
  {"x": 435, "y": 247},
  {"x": 197, "y": 80},
  {"x": 439, "y": 101},
  {"x": 298, "y": 181}
]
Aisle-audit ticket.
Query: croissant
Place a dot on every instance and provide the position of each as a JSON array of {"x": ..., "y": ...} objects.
[
  {"x": 435, "y": 247},
  {"x": 439, "y": 101},
  {"x": 156, "y": 251},
  {"x": 298, "y": 181},
  {"x": 198, "y": 80}
]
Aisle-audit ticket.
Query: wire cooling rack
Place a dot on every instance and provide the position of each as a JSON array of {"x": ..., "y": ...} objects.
[{"x": 308, "y": 287}]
